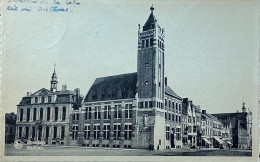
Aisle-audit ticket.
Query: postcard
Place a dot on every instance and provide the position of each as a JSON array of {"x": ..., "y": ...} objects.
[{"x": 111, "y": 80}]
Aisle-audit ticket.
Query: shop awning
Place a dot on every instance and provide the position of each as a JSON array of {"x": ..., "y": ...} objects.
[
  {"x": 218, "y": 139},
  {"x": 207, "y": 141}
]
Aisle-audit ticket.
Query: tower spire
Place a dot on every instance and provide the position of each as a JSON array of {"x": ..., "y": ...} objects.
[
  {"x": 152, "y": 8},
  {"x": 54, "y": 80}
]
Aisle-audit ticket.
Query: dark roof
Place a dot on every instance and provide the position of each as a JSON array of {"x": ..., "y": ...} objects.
[
  {"x": 232, "y": 118},
  {"x": 64, "y": 92},
  {"x": 151, "y": 20},
  {"x": 212, "y": 117},
  {"x": 112, "y": 88},
  {"x": 170, "y": 92},
  {"x": 25, "y": 101}
]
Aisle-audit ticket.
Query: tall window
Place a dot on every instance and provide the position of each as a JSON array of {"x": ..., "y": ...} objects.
[
  {"x": 49, "y": 98},
  {"x": 97, "y": 112},
  {"x": 48, "y": 113},
  {"x": 34, "y": 114},
  {"x": 56, "y": 113},
  {"x": 128, "y": 111},
  {"x": 36, "y": 99},
  {"x": 106, "y": 131},
  {"x": 167, "y": 133},
  {"x": 63, "y": 113},
  {"x": 27, "y": 132},
  {"x": 41, "y": 113},
  {"x": 178, "y": 134},
  {"x": 147, "y": 43},
  {"x": 54, "y": 132},
  {"x": 117, "y": 129},
  {"x": 172, "y": 106},
  {"x": 62, "y": 132},
  {"x": 96, "y": 131},
  {"x": 20, "y": 132},
  {"x": 28, "y": 114},
  {"x": 117, "y": 112},
  {"x": 88, "y": 113},
  {"x": 172, "y": 117},
  {"x": 87, "y": 131},
  {"x": 142, "y": 43},
  {"x": 47, "y": 132},
  {"x": 21, "y": 115},
  {"x": 151, "y": 42},
  {"x": 33, "y": 132},
  {"x": 128, "y": 131},
  {"x": 75, "y": 116},
  {"x": 107, "y": 112},
  {"x": 43, "y": 98},
  {"x": 75, "y": 129}
]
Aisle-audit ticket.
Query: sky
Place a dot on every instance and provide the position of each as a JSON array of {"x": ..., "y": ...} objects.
[{"x": 211, "y": 48}]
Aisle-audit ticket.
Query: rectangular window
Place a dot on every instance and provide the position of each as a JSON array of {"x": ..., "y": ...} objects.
[
  {"x": 63, "y": 113},
  {"x": 165, "y": 116},
  {"x": 142, "y": 43},
  {"x": 34, "y": 114},
  {"x": 106, "y": 131},
  {"x": 147, "y": 43},
  {"x": 75, "y": 129},
  {"x": 150, "y": 103},
  {"x": 62, "y": 132},
  {"x": 56, "y": 114},
  {"x": 140, "y": 104},
  {"x": 146, "y": 104},
  {"x": 88, "y": 113},
  {"x": 49, "y": 98},
  {"x": 107, "y": 112},
  {"x": 178, "y": 134},
  {"x": 128, "y": 131},
  {"x": 48, "y": 113},
  {"x": 128, "y": 111},
  {"x": 96, "y": 131},
  {"x": 36, "y": 99},
  {"x": 41, "y": 113},
  {"x": 117, "y": 129},
  {"x": 97, "y": 112},
  {"x": 28, "y": 114},
  {"x": 167, "y": 133},
  {"x": 27, "y": 133},
  {"x": 75, "y": 116},
  {"x": 43, "y": 98},
  {"x": 20, "y": 132},
  {"x": 151, "y": 42},
  {"x": 33, "y": 132},
  {"x": 47, "y": 132},
  {"x": 21, "y": 115},
  {"x": 169, "y": 116},
  {"x": 87, "y": 131},
  {"x": 172, "y": 117},
  {"x": 117, "y": 112},
  {"x": 54, "y": 132}
]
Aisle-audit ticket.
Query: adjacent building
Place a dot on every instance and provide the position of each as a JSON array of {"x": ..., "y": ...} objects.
[
  {"x": 45, "y": 114},
  {"x": 10, "y": 125},
  {"x": 240, "y": 126}
]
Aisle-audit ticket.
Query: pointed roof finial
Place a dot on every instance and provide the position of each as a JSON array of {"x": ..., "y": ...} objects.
[
  {"x": 152, "y": 8},
  {"x": 243, "y": 102}
]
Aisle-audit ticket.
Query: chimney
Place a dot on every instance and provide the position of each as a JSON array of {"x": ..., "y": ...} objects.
[
  {"x": 29, "y": 94},
  {"x": 64, "y": 87},
  {"x": 165, "y": 81},
  {"x": 185, "y": 100},
  {"x": 204, "y": 112},
  {"x": 77, "y": 91}
]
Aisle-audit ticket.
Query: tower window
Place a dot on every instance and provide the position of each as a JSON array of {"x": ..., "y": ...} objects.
[
  {"x": 159, "y": 84},
  {"x": 147, "y": 43},
  {"x": 160, "y": 66},
  {"x": 142, "y": 43},
  {"x": 151, "y": 42},
  {"x": 146, "y": 65},
  {"x": 146, "y": 83}
]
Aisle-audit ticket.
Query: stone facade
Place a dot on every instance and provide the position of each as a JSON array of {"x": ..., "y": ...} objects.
[{"x": 44, "y": 115}]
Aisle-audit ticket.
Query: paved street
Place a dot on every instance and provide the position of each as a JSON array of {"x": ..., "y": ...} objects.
[{"x": 100, "y": 151}]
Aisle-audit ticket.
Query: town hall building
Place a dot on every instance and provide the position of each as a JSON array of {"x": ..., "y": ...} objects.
[{"x": 134, "y": 110}]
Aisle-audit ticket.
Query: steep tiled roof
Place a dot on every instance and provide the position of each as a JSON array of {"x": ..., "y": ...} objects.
[
  {"x": 170, "y": 92},
  {"x": 25, "y": 101},
  {"x": 113, "y": 87},
  {"x": 232, "y": 118}
]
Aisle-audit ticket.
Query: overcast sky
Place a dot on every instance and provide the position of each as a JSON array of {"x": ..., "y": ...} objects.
[{"x": 211, "y": 49}]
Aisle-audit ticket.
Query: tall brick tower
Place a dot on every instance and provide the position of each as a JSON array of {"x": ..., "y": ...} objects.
[{"x": 150, "y": 123}]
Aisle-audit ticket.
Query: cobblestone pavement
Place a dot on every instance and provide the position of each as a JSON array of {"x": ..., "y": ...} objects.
[{"x": 100, "y": 151}]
